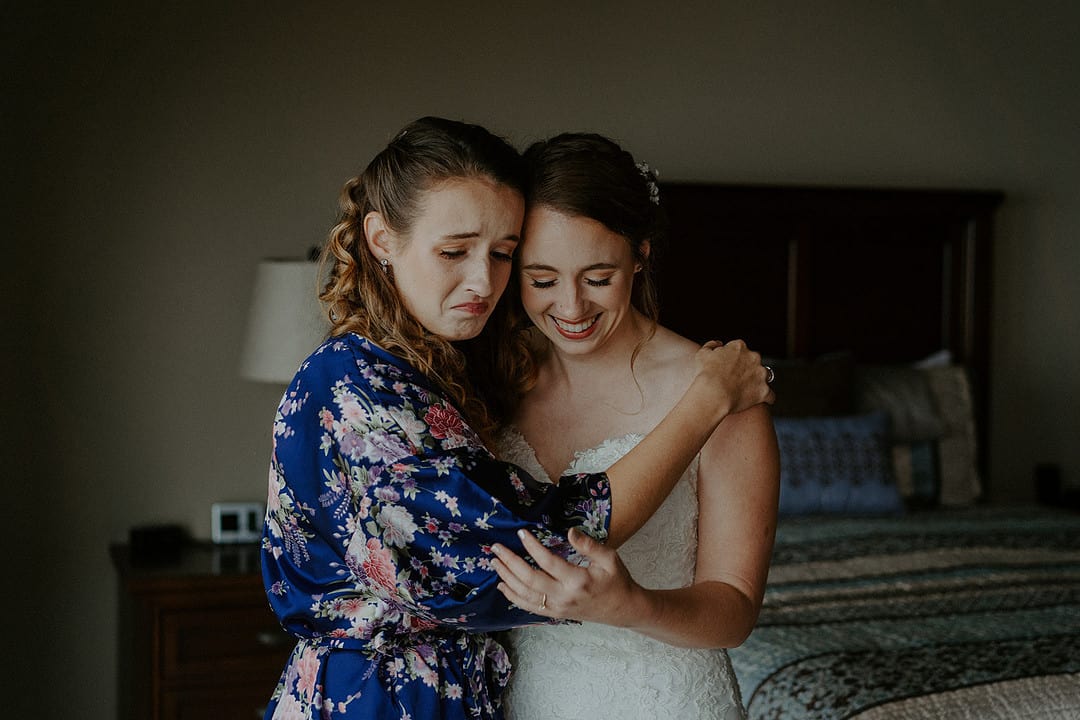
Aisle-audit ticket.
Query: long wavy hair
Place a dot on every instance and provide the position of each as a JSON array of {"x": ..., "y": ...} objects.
[{"x": 359, "y": 296}]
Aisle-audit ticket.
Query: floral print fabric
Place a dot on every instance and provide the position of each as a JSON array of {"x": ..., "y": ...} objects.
[{"x": 382, "y": 509}]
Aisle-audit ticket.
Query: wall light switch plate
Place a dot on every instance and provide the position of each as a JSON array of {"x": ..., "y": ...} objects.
[{"x": 236, "y": 522}]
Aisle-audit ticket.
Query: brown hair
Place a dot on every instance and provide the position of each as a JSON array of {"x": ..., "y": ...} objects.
[
  {"x": 589, "y": 175},
  {"x": 360, "y": 297}
]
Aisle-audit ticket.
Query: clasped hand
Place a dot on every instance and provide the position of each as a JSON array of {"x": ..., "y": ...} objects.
[
  {"x": 599, "y": 591},
  {"x": 735, "y": 372}
]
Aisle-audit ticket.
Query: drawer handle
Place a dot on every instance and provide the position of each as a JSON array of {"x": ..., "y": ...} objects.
[{"x": 273, "y": 638}]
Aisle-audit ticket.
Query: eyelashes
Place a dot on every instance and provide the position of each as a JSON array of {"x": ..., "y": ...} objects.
[
  {"x": 458, "y": 254},
  {"x": 542, "y": 284}
]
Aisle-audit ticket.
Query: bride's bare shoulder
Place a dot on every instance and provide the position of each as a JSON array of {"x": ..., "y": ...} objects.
[
  {"x": 674, "y": 343},
  {"x": 673, "y": 354}
]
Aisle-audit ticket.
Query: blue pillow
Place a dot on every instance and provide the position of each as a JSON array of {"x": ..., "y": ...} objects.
[{"x": 837, "y": 465}]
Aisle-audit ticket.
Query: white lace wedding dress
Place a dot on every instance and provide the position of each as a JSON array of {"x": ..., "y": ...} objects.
[{"x": 594, "y": 672}]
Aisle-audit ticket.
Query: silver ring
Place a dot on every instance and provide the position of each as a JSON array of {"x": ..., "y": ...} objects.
[
  {"x": 543, "y": 602},
  {"x": 769, "y": 375}
]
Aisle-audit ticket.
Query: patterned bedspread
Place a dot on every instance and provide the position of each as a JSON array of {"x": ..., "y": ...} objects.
[{"x": 942, "y": 614}]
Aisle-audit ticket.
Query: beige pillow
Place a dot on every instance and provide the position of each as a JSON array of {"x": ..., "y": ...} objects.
[{"x": 957, "y": 460}]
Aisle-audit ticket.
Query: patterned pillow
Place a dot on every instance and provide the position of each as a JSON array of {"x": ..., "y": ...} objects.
[
  {"x": 915, "y": 469},
  {"x": 831, "y": 465}
]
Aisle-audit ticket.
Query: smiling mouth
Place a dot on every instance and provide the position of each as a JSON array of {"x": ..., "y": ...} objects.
[{"x": 577, "y": 329}]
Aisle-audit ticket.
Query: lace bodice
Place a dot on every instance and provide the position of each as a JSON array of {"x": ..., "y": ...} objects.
[{"x": 596, "y": 671}]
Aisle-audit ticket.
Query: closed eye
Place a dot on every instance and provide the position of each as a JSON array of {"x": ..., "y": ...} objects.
[
  {"x": 542, "y": 283},
  {"x": 598, "y": 283}
]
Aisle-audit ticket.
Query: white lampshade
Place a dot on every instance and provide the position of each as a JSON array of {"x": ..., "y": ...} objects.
[{"x": 285, "y": 323}]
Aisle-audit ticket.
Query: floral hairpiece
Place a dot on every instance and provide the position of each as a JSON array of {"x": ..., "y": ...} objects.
[{"x": 651, "y": 177}]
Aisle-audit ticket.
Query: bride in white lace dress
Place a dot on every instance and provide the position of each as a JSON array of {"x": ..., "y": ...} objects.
[{"x": 657, "y": 616}]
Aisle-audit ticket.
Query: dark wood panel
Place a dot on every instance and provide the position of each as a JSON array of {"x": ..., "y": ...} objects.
[
  {"x": 197, "y": 636},
  {"x": 717, "y": 264},
  {"x": 888, "y": 275},
  {"x": 204, "y": 639},
  {"x": 859, "y": 294},
  {"x": 239, "y": 700}
]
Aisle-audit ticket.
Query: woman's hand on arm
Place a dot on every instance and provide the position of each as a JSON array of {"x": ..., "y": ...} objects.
[
  {"x": 731, "y": 377},
  {"x": 602, "y": 591}
]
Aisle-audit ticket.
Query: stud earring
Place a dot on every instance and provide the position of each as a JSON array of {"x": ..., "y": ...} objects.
[{"x": 385, "y": 262}]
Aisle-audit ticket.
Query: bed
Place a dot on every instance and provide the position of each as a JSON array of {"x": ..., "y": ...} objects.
[{"x": 898, "y": 589}]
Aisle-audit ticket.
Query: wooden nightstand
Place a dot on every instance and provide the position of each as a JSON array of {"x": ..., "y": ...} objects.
[{"x": 197, "y": 638}]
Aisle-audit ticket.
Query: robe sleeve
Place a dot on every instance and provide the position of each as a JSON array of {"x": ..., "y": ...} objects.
[{"x": 383, "y": 506}]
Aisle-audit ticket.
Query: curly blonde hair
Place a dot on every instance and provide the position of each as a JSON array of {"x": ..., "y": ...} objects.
[{"x": 483, "y": 376}]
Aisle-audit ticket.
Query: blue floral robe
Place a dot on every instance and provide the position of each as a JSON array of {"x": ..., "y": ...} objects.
[{"x": 382, "y": 509}]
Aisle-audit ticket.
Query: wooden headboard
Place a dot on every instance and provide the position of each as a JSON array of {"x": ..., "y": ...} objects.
[{"x": 890, "y": 276}]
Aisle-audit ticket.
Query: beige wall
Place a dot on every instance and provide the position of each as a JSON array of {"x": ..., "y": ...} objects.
[{"x": 159, "y": 154}]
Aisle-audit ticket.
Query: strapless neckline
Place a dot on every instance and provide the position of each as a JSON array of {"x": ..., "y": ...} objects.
[
  {"x": 514, "y": 437},
  {"x": 609, "y": 673}
]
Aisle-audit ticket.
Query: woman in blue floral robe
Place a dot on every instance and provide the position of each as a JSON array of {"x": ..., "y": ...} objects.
[
  {"x": 378, "y": 545},
  {"x": 384, "y": 503}
]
